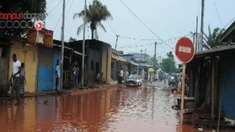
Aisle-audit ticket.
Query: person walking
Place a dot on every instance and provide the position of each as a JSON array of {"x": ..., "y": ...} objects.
[
  {"x": 22, "y": 81},
  {"x": 16, "y": 70}
]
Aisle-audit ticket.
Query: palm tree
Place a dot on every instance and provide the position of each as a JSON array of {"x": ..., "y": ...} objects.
[
  {"x": 213, "y": 38},
  {"x": 95, "y": 13}
]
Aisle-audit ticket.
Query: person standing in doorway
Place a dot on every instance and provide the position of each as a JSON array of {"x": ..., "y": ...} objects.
[
  {"x": 22, "y": 81},
  {"x": 75, "y": 74},
  {"x": 57, "y": 71},
  {"x": 16, "y": 70}
]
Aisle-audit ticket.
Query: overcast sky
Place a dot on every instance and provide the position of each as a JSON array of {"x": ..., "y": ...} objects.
[{"x": 168, "y": 19}]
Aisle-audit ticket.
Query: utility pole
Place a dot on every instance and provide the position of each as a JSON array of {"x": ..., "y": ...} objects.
[
  {"x": 116, "y": 41},
  {"x": 202, "y": 23},
  {"x": 83, "y": 46},
  {"x": 145, "y": 53},
  {"x": 196, "y": 42},
  {"x": 62, "y": 46},
  {"x": 155, "y": 55}
]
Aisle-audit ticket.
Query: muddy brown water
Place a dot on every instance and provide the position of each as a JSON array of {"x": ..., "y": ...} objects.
[{"x": 109, "y": 110}]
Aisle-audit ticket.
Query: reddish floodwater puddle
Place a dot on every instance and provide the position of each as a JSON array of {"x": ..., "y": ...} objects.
[{"x": 110, "y": 110}]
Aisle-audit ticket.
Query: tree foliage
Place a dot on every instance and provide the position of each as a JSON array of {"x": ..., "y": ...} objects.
[
  {"x": 71, "y": 39},
  {"x": 214, "y": 36},
  {"x": 95, "y": 13},
  {"x": 168, "y": 64},
  {"x": 20, "y": 6}
]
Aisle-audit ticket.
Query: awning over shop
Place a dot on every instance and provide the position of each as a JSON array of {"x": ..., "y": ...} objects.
[{"x": 118, "y": 58}]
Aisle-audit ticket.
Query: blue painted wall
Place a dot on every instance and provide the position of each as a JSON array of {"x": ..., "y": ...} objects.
[
  {"x": 227, "y": 86},
  {"x": 46, "y": 69}
]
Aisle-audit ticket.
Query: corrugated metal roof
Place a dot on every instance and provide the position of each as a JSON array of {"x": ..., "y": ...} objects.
[
  {"x": 228, "y": 31},
  {"x": 119, "y": 58},
  {"x": 133, "y": 63},
  {"x": 221, "y": 48}
]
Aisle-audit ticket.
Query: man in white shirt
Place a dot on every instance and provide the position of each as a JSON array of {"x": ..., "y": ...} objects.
[{"x": 16, "y": 69}]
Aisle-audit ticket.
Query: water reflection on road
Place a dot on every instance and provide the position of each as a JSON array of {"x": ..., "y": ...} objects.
[{"x": 108, "y": 110}]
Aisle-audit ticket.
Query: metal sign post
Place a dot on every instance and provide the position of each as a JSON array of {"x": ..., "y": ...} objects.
[
  {"x": 182, "y": 95},
  {"x": 184, "y": 50}
]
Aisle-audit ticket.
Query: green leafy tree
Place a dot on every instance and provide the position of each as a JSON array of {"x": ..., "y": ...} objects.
[
  {"x": 170, "y": 55},
  {"x": 213, "y": 38},
  {"x": 20, "y": 6},
  {"x": 95, "y": 13},
  {"x": 71, "y": 39},
  {"x": 168, "y": 64}
]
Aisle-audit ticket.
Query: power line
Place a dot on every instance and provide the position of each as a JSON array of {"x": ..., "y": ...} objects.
[
  {"x": 61, "y": 16},
  {"x": 141, "y": 45},
  {"x": 125, "y": 37},
  {"x": 112, "y": 29},
  {"x": 143, "y": 22},
  {"x": 57, "y": 23},
  {"x": 137, "y": 38},
  {"x": 217, "y": 12},
  {"x": 139, "y": 19},
  {"x": 170, "y": 40},
  {"x": 54, "y": 7},
  {"x": 69, "y": 9},
  {"x": 229, "y": 23}
]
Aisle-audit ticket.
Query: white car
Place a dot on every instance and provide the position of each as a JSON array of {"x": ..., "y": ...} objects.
[{"x": 134, "y": 80}]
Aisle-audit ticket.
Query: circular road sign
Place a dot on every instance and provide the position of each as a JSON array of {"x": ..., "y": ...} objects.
[{"x": 184, "y": 50}]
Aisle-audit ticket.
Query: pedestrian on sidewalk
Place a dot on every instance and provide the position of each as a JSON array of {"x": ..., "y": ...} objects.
[
  {"x": 22, "y": 81},
  {"x": 57, "y": 71},
  {"x": 16, "y": 70}
]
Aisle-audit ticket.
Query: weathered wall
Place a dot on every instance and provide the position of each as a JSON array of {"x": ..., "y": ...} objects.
[
  {"x": 4, "y": 64},
  {"x": 28, "y": 55},
  {"x": 4, "y": 70}
]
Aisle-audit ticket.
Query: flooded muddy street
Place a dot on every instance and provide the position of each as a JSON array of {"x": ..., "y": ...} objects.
[{"x": 144, "y": 109}]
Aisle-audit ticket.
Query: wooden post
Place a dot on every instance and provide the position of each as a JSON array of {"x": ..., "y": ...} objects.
[
  {"x": 182, "y": 95},
  {"x": 212, "y": 88}
]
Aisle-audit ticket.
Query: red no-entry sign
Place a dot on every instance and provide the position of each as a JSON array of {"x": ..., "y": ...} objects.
[{"x": 184, "y": 50}]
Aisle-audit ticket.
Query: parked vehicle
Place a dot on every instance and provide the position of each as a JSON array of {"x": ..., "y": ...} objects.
[{"x": 134, "y": 80}]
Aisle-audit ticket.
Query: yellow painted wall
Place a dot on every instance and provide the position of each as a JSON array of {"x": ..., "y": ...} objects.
[
  {"x": 106, "y": 63},
  {"x": 28, "y": 55}
]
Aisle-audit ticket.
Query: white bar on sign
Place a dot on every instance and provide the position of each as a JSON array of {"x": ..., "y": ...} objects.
[{"x": 184, "y": 49}]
